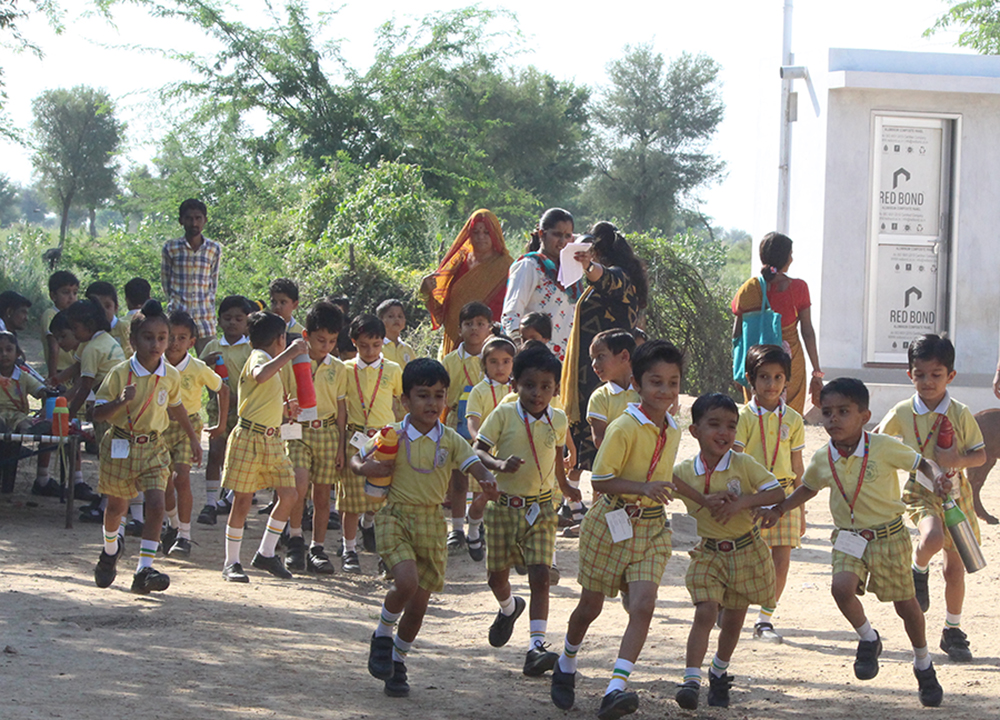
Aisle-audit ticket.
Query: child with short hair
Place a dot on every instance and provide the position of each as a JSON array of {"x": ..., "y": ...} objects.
[
  {"x": 345, "y": 346},
  {"x": 919, "y": 421},
  {"x": 871, "y": 546},
  {"x": 106, "y": 296},
  {"x": 774, "y": 435},
  {"x": 139, "y": 398},
  {"x": 63, "y": 290},
  {"x": 137, "y": 292},
  {"x": 464, "y": 366},
  {"x": 633, "y": 471},
  {"x": 285, "y": 301},
  {"x": 255, "y": 455},
  {"x": 536, "y": 326},
  {"x": 16, "y": 386},
  {"x": 13, "y": 311},
  {"x": 233, "y": 349},
  {"x": 410, "y": 529},
  {"x": 96, "y": 354},
  {"x": 195, "y": 376},
  {"x": 522, "y": 520},
  {"x": 611, "y": 354},
  {"x": 731, "y": 568},
  {"x": 393, "y": 315},
  {"x": 373, "y": 383},
  {"x": 318, "y": 455}
]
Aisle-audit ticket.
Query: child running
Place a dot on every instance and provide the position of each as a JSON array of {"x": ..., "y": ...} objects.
[
  {"x": 624, "y": 544},
  {"x": 410, "y": 529}
]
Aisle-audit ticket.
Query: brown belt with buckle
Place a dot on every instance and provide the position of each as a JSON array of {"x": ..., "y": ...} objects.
[
  {"x": 635, "y": 511},
  {"x": 258, "y": 428},
  {"x": 517, "y": 501},
  {"x": 883, "y": 531},
  {"x": 364, "y": 430},
  {"x": 137, "y": 439},
  {"x": 729, "y": 545},
  {"x": 317, "y": 424}
]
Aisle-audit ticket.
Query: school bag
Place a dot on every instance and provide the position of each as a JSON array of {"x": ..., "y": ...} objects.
[{"x": 761, "y": 327}]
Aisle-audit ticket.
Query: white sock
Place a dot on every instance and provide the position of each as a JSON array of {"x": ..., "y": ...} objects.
[
  {"x": 386, "y": 623},
  {"x": 234, "y": 539},
  {"x": 574, "y": 505},
  {"x": 619, "y": 678},
  {"x": 350, "y": 545},
  {"x": 765, "y": 614},
  {"x": 212, "y": 492},
  {"x": 271, "y": 534},
  {"x": 507, "y": 606},
  {"x": 921, "y": 658},
  {"x": 294, "y": 532},
  {"x": 400, "y": 648},
  {"x": 367, "y": 521},
  {"x": 920, "y": 568},
  {"x": 475, "y": 525},
  {"x": 110, "y": 542},
  {"x": 692, "y": 674},
  {"x": 173, "y": 517},
  {"x": 78, "y": 476},
  {"x": 184, "y": 530},
  {"x": 952, "y": 619},
  {"x": 41, "y": 475},
  {"x": 458, "y": 524},
  {"x": 536, "y": 633},
  {"x": 866, "y": 633},
  {"x": 718, "y": 666},
  {"x": 147, "y": 551},
  {"x": 121, "y": 528},
  {"x": 567, "y": 661}
]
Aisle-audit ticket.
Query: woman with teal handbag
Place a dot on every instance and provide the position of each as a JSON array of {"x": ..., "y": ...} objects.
[{"x": 756, "y": 305}]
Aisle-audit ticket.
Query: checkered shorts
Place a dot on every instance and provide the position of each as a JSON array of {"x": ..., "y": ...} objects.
[
  {"x": 317, "y": 453},
  {"x": 884, "y": 569},
  {"x": 735, "y": 579},
  {"x": 414, "y": 532},
  {"x": 255, "y": 461},
  {"x": 351, "y": 495},
  {"x": 586, "y": 451},
  {"x": 175, "y": 440},
  {"x": 788, "y": 531},
  {"x": 512, "y": 541},
  {"x": 922, "y": 503},
  {"x": 147, "y": 467},
  {"x": 605, "y": 566}
]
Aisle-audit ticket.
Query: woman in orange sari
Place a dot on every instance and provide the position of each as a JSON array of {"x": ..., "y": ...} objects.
[
  {"x": 790, "y": 298},
  {"x": 473, "y": 270}
]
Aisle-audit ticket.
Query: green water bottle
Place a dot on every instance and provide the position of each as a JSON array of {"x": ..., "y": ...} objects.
[{"x": 963, "y": 537}]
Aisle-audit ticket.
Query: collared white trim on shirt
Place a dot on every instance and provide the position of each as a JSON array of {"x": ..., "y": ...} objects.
[
  {"x": 721, "y": 466},
  {"x": 242, "y": 341},
  {"x": 411, "y": 432},
  {"x": 616, "y": 389},
  {"x": 920, "y": 409},
  {"x": 757, "y": 408},
  {"x": 182, "y": 365},
  {"x": 462, "y": 353},
  {"x": 859, "y": 451},
  {"x": 362, "y": 365},
  {"x": 140, "y": 371},
  {"x": 16, "y": 375},
  {"x": 531, "y": 418},
  {"x": 633, "y": 410}
]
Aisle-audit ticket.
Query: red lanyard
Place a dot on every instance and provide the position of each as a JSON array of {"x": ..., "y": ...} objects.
[
  {"x": 531, "y": 441},
  {"x": 708, "y": 474},
  {"x": 923, "y": 444},
  {"x": 861, "y": 477},
  {"x": 361, "y": 395},
  {"x": 494, "y": 392},
  {"x": 661, "y": 442},
  {"x": 763, "y": 435},
  {"x": 20, "y": 402},
  {"x": 468, "y": 378},
  {"x": 145, "y": 405}
]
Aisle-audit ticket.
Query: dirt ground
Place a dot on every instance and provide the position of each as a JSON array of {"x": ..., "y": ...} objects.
[{"x": 298, "y": 648}]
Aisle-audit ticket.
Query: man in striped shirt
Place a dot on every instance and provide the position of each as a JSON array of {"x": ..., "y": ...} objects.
[{"x": 189, "y": 270}]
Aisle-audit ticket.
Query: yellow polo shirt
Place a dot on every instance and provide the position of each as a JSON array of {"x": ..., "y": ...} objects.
[
  {"x": 64, "y": 359},
  {"x": 737, "y": 472},
  {"x": 465, "y": 371},
  {"x": 399, "y": 352},
  {"x": 879, "y": 500},
  {"x": 484, "y": 398},
  {"x": 261, "y": 403},
  {"x": 121, "y": 332},
  {"x": 98, "y": 355},
  {"x": 14, "y": 392},
  {"x": 411, "y": 487},
  {"x": 556, "y": 402},
  {"x": 504, "y": 432},
  {"x": 608, "y": 402},
  {"x": 784, "y": 423},
  {"x": 391, "y": 386},
  {"x": 329, "y": 379},
  {"x": 627, "y": 451},
  {"x": 196, "y": 375},
  {"x": 234, "y": 356},
  {"x": 160, "y": 388}
]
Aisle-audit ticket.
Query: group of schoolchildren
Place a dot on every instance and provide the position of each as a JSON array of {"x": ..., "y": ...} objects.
[{"x": 490, "y": 409}]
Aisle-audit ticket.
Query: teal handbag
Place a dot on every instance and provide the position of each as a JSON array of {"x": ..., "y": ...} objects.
[{"x": 762, "y": 327}]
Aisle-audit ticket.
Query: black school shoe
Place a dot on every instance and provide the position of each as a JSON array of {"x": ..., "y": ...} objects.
[
  {"x": 456, "y": 541},
  {"x": 180, "y": 548},
  {"x": 367, "y": 537},
  {"x": 295, "y": 557},
  {"x": 106, "y": 568},
  {"x": 956, "y": 643},
  {"x": 563, "y": 690},
  {"x": 396, "y": 686},
  {"x": 318, "y": 561},
  {"x": 539, "y": 661},
  {"x": 923, "y": 593},
  {"x": 931, "y": 693},
  {"x": 49, "y": 489},
  {"x": 84, "y": 493},
  {"x": 208, "y": 515},
  {"x": 866, "y": 660},
  {"x": 272, "y": 564},
  {"x": 235, "y": 573},
  {"x": 167, "y": 538},
  {"x": 349, "y": 562},
  {"x": 687, "y": 695},
  {"x": 476, "y": 550},
  {"x": 149, "y": 580},
  {"x": 618, "y": 703},
  {"x": 380, "y": 664},
  {"x": 134, "y": 528},
  {"x": 718, "y": 689},
  {"x": 503, "y": 625}
]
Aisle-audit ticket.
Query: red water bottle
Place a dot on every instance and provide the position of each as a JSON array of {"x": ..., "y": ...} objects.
[
  {"x": 306, "y": 391},
  {"x": 946, "y": 433},
  {"x": 220, "y": 368},
  {"x": 60, "y": 418}
]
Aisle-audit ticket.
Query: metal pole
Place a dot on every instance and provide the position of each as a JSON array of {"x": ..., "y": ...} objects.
[{"x": 785, "y": 149}]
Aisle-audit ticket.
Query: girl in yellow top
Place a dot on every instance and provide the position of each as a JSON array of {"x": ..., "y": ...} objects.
[
  {"x": 393, "y": 316},
  {"x": 195, "y": 377},
  {"x": 96, "y": 354},
  {"x": 774, "y": 435},
  {"x": 139, "y": 398}
]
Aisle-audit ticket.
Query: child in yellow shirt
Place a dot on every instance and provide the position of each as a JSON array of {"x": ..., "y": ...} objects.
[
  {"x": 105, "y": 295},
  {"x": 15, "y": 387},
  {"x": 63, "y": 290},
  {"x": 393, "y": 316},
  {"x": 96, "y": 354}
]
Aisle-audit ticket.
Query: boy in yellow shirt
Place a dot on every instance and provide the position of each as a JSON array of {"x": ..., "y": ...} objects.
[
  {"x": 624, "y": 544},
  {"x": 871, "y": 546},
  {"x": 373, "y": 384},
  {"x": 410, "y": 530},
  {"x": 918, "y": 422},
  {"x": 63, "y": 290},
  {"x": 105, "y": 295},
  {"x": 318, "y": 453},
  {"x": 393, "y": 316},
  {"x": 611, "y": 357},
  {"x": 255, "y": 455},
  {"x": 285, "y": 301},
  {"x": 731, "y": 568},
  {"x": 96, "y": 354}
]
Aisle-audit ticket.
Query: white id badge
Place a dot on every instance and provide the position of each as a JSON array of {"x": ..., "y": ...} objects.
[
  {"x": 359, "y": 439},
  {"x": 291, "y": 431},
  {"x": 850, "y": 543},
  {"x": 619, "y": 524},
  {"x": 533, "y": 513},
  {"x": 119, "y": 448}
]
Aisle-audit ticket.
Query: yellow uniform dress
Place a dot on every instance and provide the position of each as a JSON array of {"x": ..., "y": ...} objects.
[
  {"x": 731, "y": 566},
  {"x": 140, "y": 425},
  {"x": 410, "y": 526},
  {"x": 234, "y": 356},
  {"x": 317, "y": 450},
  {"x": 465, "y": 371},
  {"x": 14, "y": 392},
  {"x": 64, "y": 359},
  {"x": 398, "y": 352},
  {"x": 884, "y": 568},
  {"x": 195, "y": 375},
  {"x": 255, "y": 454},
  {"x": 121, "y": 332},
  {"x": 629, "y": 451},
  {"x": 784, "y": 433},
  {"x": 921, "y": 502},
  {"x": 512, "y": 540}
]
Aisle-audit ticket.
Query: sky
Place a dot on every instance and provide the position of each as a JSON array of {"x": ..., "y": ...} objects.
[{"x": 572, "y": 42}]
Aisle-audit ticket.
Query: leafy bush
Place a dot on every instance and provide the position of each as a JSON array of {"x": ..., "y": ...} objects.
[{"x": 22, "y": 267}]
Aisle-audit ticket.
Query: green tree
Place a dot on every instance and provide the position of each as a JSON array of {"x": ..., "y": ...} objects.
[
  {"x": 76, "y": 139},
  {"x": 655, "y": 124},
  {"x": 980, "y": 23},
  {"x": 9, "y": 213}
]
